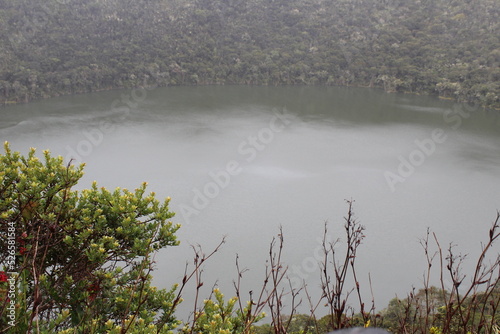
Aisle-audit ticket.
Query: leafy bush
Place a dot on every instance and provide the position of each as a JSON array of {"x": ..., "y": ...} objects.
[
  {"x": 79, "y": 261},
  {"x": 220, "y": 317}
]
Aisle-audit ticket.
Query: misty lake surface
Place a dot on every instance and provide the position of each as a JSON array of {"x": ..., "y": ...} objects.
[{"x": 242, "y": 161}]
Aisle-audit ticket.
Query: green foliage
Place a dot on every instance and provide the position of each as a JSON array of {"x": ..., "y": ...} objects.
[
  {"x": 220, "y": 317},
  {"x": 83, "y": 259},
  {"x": 418, "y": 315},
  {"x": 60, "y": 47},
  {"x": 304, "y": 324}
]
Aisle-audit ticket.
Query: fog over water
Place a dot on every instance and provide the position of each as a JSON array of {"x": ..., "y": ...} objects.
[{"x": 242, "y": 161}]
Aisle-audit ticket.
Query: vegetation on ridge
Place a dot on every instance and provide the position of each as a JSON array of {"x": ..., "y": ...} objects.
[{"x": 54, "y": 47}]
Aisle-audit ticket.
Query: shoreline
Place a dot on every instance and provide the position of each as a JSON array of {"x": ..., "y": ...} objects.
[{"x": 440, "y": 97}]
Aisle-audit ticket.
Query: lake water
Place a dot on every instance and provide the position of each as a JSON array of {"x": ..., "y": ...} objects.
[{"x": 242, "y": 161}]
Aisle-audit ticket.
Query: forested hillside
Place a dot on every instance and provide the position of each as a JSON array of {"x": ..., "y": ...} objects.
[{"x": 445, "y": 47}]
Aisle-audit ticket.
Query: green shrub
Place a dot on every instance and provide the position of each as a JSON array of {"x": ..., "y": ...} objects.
[{"x": 80, "y": 261}]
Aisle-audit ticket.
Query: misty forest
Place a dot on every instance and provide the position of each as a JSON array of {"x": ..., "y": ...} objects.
[
  {"x": 447, "y": 48},
  {"x": 275, "y": 166}
]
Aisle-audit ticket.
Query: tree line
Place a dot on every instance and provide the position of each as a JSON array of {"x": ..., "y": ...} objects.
[{"x": 448, "y": 48}]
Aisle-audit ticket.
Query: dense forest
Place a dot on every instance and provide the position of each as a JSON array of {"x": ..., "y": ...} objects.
[{"x": 450, "y": 48}]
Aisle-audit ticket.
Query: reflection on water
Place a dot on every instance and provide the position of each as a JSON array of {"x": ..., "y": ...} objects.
[{"x": 232, "y": 170}]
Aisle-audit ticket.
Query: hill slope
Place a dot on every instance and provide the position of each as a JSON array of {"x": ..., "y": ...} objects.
[{"x": 448, "y": 47}]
